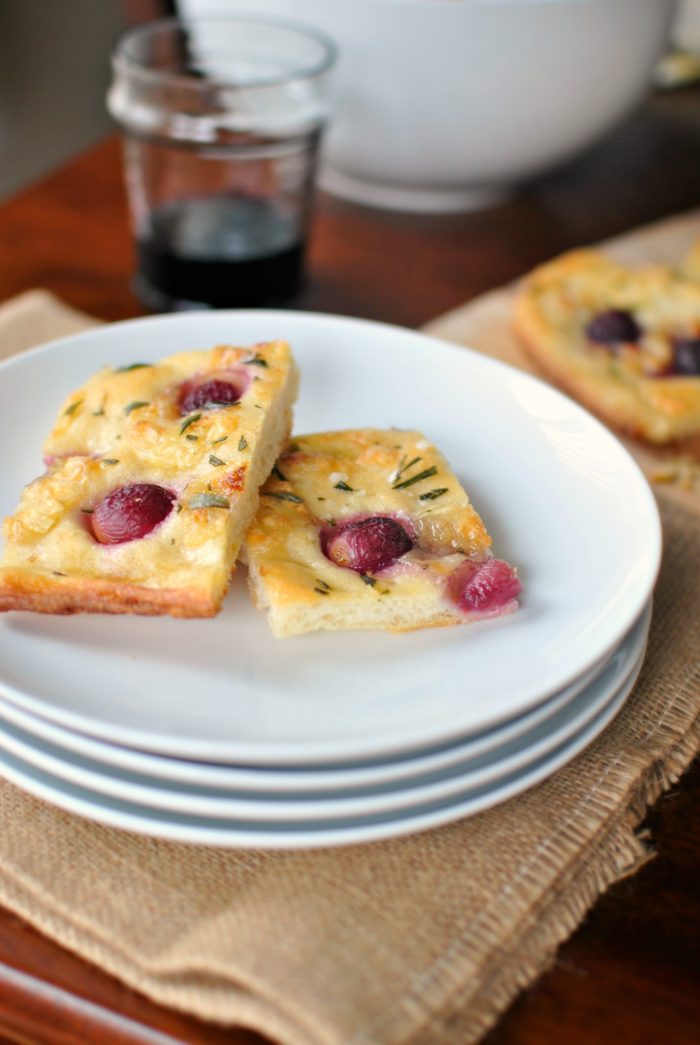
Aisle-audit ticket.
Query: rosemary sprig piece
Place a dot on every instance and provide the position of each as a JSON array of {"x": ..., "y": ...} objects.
[
  {"x": 189, "y": 421},
  {"x": 130, "y": 366},
  {"x": 432, "y": 495},
  {"x": 284, "y": 495},
  {"x": 215, "y": 461},
  {"x": 425, "y": 474},
  {"x": 404, "y": 467},
  {"x": 218, "y": 404},
  {"x": 209, "y": 500},
  {"x": 136, "y": 405},
  {"x": 257, "y": 360}
]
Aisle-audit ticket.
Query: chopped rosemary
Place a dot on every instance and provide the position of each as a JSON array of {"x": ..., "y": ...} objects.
[
  {"x": 57, "y": 573},
  {"x": 221, "y": 440},
  {"x": 276, "y": 471},
  {"x": 342, "y": 485},
  {"x": 73, "y": 407},
  {"x": 136, "y": 405},
  {"x": 130, "y": 366},
  {"x": 110, "y": 460},
  {"x": 216, "y": 461},
  {"x": 178, "y": 508},
  {"x": 257, "y": 360},
  {"x": 425, "y": 474},
  {"x": 192, "y": 438},
  {"x": 367, "y": 579},
  {"x": 209, "y": 500},
  {"x": 87, "y": 511},
  {"x": 320, "y": 498},
  {"x": 322, "y": 584},
  {"x": 98, "y": 413},
  {"x": 404, "y": 467},
  {"x": 242, "y": 443},
  {"x": 283, "y": 495},
  {"x": 321, "y": 591},
  {"x": 189, "y": 421},
  {"x": 211, "y": 404},
  {"x": 331, "y": 522},
  {"x": 431, "y": 495}
]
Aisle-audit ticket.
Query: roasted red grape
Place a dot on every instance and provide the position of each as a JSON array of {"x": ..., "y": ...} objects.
[
  {"x": 209, "y": 395},
  {"x": 367, "y": 545},
  {"x": 614, "y": 327},
  {"x": 130, "y": 512},
  {"x": 484, "y": 587}
]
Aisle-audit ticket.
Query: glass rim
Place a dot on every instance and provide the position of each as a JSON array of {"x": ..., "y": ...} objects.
[{"x": 127, "y": 64}]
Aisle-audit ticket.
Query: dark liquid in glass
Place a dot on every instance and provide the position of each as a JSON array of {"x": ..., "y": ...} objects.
[{"x": 220, "y": 251}]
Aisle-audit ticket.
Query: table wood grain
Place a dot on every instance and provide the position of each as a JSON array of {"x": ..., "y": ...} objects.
[{"x": 631, "y": 973}]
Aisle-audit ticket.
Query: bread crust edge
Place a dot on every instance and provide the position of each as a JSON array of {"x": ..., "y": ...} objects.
[{"x": 20, "y": 590}]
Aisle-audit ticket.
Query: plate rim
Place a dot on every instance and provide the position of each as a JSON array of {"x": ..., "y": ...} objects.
[
  {"x": 457, "y": 808},
  {"x": 283, "y": 780},
  {"x": 414, "y": 790}
]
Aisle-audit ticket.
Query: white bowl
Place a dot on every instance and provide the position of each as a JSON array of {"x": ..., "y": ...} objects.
[{"x": 442, "y": 104}]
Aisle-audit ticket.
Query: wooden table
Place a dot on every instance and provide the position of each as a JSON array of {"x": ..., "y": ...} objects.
[{"x": 631, "y": 973}]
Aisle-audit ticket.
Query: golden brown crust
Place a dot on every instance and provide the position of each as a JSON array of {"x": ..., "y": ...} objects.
[{"x": 20, "y": 590}]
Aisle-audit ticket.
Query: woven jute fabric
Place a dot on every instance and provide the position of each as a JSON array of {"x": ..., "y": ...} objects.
[{"x": 424, "y": 939}]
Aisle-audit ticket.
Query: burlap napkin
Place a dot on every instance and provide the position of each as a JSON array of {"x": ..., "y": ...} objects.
[{"x": 423, "y": 939}]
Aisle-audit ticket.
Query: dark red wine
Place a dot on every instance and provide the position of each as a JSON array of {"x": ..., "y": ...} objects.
[{"x": 219, "y": 252}]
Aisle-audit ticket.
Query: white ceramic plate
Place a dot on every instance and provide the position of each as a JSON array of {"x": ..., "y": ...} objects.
[
  {"x": 288, "y": 780},
  {"x": 382, "y": 786},
  {"x": 560, "y": 495},
  {"x": 242, "y": 835},
  {"x": 365, "y": 801}
]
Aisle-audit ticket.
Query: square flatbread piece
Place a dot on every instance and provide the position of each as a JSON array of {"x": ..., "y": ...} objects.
[
  {"x": 371, "y": 529},
  {"x": 178, "y": 448}
]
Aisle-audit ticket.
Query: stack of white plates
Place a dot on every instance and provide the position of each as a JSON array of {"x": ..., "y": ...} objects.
[{"x": 212, "y": 731}]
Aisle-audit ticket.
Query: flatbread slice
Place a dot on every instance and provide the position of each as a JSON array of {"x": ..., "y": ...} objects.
[
  {"x": 371, "y": 529},
  {"x": 146, "y": 500},
  {"x": 624, "y": 342}
]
